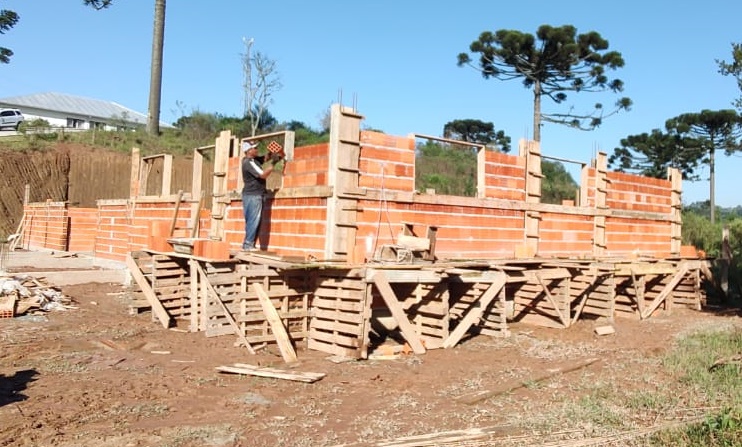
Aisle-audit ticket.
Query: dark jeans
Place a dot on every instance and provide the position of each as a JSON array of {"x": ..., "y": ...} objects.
[{"x": 252, "y": 208}]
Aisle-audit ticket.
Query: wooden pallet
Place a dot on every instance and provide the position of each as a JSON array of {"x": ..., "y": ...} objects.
[{"x": 341, "y": 313}]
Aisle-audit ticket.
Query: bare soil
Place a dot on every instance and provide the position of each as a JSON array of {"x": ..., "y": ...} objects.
[{"x": 98, "y": 376}]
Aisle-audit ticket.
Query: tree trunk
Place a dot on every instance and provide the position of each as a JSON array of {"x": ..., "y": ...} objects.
[
  {"x": 537, "y": 112},
  {"x": 155, "y": 82},
  {"x": 712, "y": 200}
]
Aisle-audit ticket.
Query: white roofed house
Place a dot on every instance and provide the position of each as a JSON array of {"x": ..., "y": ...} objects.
[{"x": 76, "y": 112}]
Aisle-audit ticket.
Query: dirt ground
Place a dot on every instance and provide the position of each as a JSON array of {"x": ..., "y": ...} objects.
[{"x": 99, "y": 376}]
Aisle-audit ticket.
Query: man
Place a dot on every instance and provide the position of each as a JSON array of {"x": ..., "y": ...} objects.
[{"x": 253, "y": 177}]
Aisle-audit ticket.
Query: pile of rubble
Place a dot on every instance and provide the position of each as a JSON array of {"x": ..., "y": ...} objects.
[{"x": 24, "y": 294}]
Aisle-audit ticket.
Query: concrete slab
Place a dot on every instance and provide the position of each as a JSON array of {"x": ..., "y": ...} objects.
[{"x": 64, "y": 268}]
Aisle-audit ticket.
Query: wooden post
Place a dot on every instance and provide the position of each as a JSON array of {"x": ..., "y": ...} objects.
[
  {"x": 345, "y": 148},
  {"x": 167, "y": 174},
  {"x": 135, "y": 166},
  {"x": 482, "y": 172},
  {"x": 726, "y": 258},
  {"x": 676, "y": 226},
  {"x": 219, "y": 202},
  {"x": 532, "y": 153},
  {"x": 601, "y": 195}
]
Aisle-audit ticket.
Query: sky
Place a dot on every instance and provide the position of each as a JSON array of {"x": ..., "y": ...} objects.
[{"x": 395, "y": 62}]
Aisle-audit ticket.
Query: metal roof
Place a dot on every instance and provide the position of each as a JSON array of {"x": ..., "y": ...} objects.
[{"x": 77, "y": 105}]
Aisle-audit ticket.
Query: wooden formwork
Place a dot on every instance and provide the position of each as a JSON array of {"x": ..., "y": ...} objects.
[
  {"x": 642, "y": 287},
  {"x": 333, "y": 308},
  {"x": 427, "y": 308},
  {"x": 593, "y": 291},
  {"x": 493, "y": 321},
  {"x": 689, "y": 292},
  {"x": 168, "y": 279},
  {"x": 341, "y": 310}
]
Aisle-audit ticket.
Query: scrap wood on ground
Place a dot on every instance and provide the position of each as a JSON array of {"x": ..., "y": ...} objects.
[
  {"x": 252, "y": 370},
  {"x": 24, "y": 294}
]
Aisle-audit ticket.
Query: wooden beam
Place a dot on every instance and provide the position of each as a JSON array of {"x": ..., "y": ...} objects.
[
  {"x": 193, "y": 296},
  {"x": 279, "y": 331},
  {"x": 167, "y": 174},
  {"x": 196, "y": 214},
  {"x": 242, "y": 368},
  {"x": 227, "y": 314},
  {"x": 408, "y": 331},
  {"x": 639, "y": 293},
  {"x": 583, "y": 301},
  {"x": 135, "y": 171},
  {"x": 666, "y": 291},
  {"x": 475, "y": 311},
  {"x": 550, "y": 298},
  {"x": 175, "y": 213},
  {"x": 506, "y": 388},
  {"x": 157, "y": 308}
]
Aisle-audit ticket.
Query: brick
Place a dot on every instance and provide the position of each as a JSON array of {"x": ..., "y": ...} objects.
[
  {"x": 688, "y": 251},
  {"x": 159, "y": 243},
  {"x": 211, "y": 249}
]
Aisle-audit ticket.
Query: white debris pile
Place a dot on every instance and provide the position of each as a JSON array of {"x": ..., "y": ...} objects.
[{"x": 24, "y": 293}]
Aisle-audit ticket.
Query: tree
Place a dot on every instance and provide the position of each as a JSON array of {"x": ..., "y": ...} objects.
[
  {"x": 261, "y": 81},
  {"x": 8, "y": 19},
  {"x": 459, "y": 177},
  {"x": 692, "y": 139},
  {"x": 155, "y": 81},
  {"x": 98, "y": 4},
  {"x": 476, "y": 131},
  {"x": 552, "y": 63},
  {"x": 714, "y": 129},
  {"x": 651, "y": 154},
  {"x": 734, "y": 68},
  {"x": 557, "y": 184},
  {"x": 155, "y": 78}
]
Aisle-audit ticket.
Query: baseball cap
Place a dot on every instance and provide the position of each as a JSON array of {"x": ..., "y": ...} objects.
[{"x": 246, "y": 146}]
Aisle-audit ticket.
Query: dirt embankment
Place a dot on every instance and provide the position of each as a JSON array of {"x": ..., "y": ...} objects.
[{"x": 74, "y": 173}]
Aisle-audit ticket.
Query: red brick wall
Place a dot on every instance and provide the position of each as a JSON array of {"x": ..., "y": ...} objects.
[
  {"x": 505, "y": 176},
  {"x": 297, "y": 222},
  {"x": 646, "y": 237},
  {"x": 45, "y": 226},
  {"x": 463, "y": 231},
  {"x": 565, "y": 235},
  {"x": 386, "y": 162},
  {"x": 309, "y": 166},
  {"x": 114, "y": 228},
  {"x": 83, "y": 228},
  {"x": 632, "y": 192}
]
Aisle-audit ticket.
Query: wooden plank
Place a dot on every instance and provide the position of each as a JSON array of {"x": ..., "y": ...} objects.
[
  {"x": 407, "y": 329},
  {"x": 331, "y": 348},
  {"x": 227, "y": 314},
  {"x": 471, "y": 399},
  {"x": 149, "y": 294},
  {"x": 530, "y": 275},
  {"x": 564, "y": 319},
  {"x": 335, "y": 326},
  {"x": 666, "y": 291},
  {"x": 178, "y": 199},
  {"x": 242, "y": 368},
  {"x": 336, "y": 315},
  {"x": 350, "y": 306},
  {"x": 279, "y": 331},
  {"x": 410, "y": 276},
  {"x": 348, "y": 295},
  {"x": 646, "y": 269},
  {"x": 475, "y": 311},
  {"x": 639, "y": 286},
  {"x": 320, "y": 334},
  {"x": 413, "y": 242}
]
